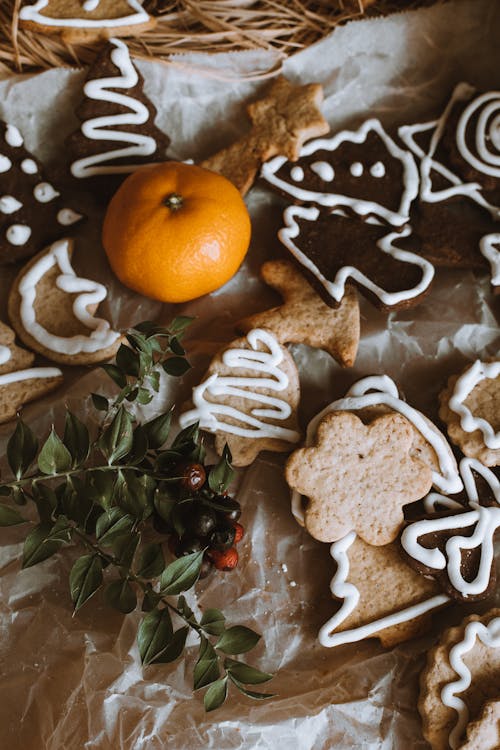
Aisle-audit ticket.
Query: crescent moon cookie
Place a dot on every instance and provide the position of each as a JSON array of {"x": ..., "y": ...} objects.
[
  {"x": 456, "y": 546},
  {"x": 19, "y": 382},
  {"x": 380, "y": 595},
  {"x": 304, "y": 318},
  {"x": 86, "y": 20},
  {"x": 52, "y": 310},
  {"x": 32, "y": 211},
  {"x": 358, "y": 477},
  {"x": 118, "y": 133},
  {"x": 333, "y": 249},
  {"x": 249, "y": 398},
  {"x": 470, "y": 408},
  {"x": 462, "y": 674}
]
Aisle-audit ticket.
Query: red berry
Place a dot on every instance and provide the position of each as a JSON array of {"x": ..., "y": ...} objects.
[
  {"x": 193, "y": 476},
  {"x": 226, "y": 560},
  {"x": 239, "y": 532}
]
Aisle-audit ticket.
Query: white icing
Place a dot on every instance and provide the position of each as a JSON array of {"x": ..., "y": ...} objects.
[
  {"x": 297, "y": 174},
  {"x": 336, "y": 288},
  {"x": 32, "y": 13},
  {"x": 464, "y": 386},
  {"x": 324, "y": 170},
  {"x": 5, "y": 163},
  {"x": 29, "y": 166},
  {"x": 18, "y": 234},
  {"x": 492, "y": 255},
  {"x": 485, "y": 161},
  {"x": 489, "y": 635},
  {"x": 66, "y": 217},
  {"x": 33, "y": 373},
  {"x": 377, "y": 169},
  {"x": 428, "y": 164},
  {"x": 435, "y": 502},
  {"x": 484, "y": 519},
  {"x": 13, "y": 136},
  {"x": 5, "y": 354},
  {"x": 44, "y": 192},
  {"x": 494, "y": 132},
  {"x": 89, "y": 293},
  {"x": 358, "y": 205},
  {"x": 9, "y": 204},
  {"x": 356, "y": 169},
  {"x": 385, "y": 392},
  {"x": 106, "y": 128},
  {"x": 342, "y": 589},
  {"x": 268, "y": 362},
  {"x": 90, "y": 5}
]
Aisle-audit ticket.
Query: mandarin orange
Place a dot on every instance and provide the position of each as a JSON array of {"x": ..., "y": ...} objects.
[{"x": 176, "y": 231}]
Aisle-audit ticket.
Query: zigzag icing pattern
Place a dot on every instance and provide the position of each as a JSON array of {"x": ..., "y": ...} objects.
[
  {"x": 33, "y": 13},
  {"x": 463, "y": 388}
]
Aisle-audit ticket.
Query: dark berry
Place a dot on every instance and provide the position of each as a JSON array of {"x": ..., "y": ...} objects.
[
  {"x": 193, "y": 476},
  {"x": 206, "y": 567},
  {"x": 223, "y": 536},
  {"x": 228, "y": 506},
  {"x": 226, "y": 560},
  {"x": 189, "y": 544},
  {"x": 160, "y": 525},
  {"x": 202, "y": 522},
  {"x": 239, "y": 532}
]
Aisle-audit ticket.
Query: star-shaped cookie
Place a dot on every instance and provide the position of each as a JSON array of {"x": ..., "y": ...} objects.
[
  {"x": 281, "y": 123},
  {"x": 304, "y": 318}
]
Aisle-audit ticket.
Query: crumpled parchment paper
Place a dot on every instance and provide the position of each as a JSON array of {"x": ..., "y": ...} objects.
[{"x": 76, "y": 683}]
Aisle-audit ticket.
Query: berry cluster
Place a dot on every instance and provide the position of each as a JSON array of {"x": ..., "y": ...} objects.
[{"x": 201, "y": 516}]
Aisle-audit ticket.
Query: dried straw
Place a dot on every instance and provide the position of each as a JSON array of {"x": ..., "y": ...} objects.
[{"x": 284, "y": 26}]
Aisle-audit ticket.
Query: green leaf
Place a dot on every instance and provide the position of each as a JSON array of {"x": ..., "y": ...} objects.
[
  {"x": 176, "y": 347},
  {"x": 77, "y": 500},
  {"x": 54, "y": 457},
  {"x": 19, "y": 496},
  {"x": 84, "y": 579},
  {"x": 76, "y": 439},
  {"x": 121, "y": 596},
  {"x": 144, "y": 396},
  {"x": 181, "y": 574},
  {"x": 246, "y": 674},
  {"x": 164, "y": 502},
  {"x": 44, "y": 540},
  {"x": 154, "y": 379},
  {"x": 5, "y": 490},
  {"x": 102, "y": 487},
  {"x": 221, "y": 476},
  {"x": 213, "y": 621},
  {"x": 176, "y": 366},
  {"x": 189, "y": 436},
  {"x": 150, "y": 562},
  {"x": 158, "y": 430},
  {"x": 111, "y": 525},
  {"x": 45, "y": 499},
  {"x": 151, "y": 599},
  {"x": 180, "y": 323},
  {"x": 174, "y": 648},
  {"x": 100, "y": 402},
  {"x": 250, "y": 693},
  {"x": 21, "y": 449},
  {"x": 127, "y": 360},
  {"x": 124, "y": 548},
  {"x": 133, "y": 496},
  {"x": 139, "y": 446},
  {"x": 237, "y": 640},
  {"x": 117, "y": 439},
  {"x": 185, "y": 609},
  {"x": 206, "y": 669},
  {"x": 155, "y": 634},
  {"x": 10, "y": 516},
  {"x": 215, "y": 695},
  {"x": 116, "y": 375}
]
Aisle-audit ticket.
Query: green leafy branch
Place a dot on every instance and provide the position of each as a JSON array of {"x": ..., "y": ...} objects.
[{"x": 109, "y": 492}]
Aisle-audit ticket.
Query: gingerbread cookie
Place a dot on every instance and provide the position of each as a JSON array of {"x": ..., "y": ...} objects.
[
  {"x": 484, "y": 733},
  {"x": 86, "y": 20},
  {"x": 462, "y": 672},
  {"x": 470, "y": 408},
  {"x": 12, "y": 357},
  {"x": 249, "y": 398},
  {"x": 333, "y": 248},
  {"x": 52, "y": 310},
  {"x": 381, "y": 597},
  {"x": 118, "y": 133},
  {"x": 456, "y": 546},
  {"x": 304, "y": 318},
  {"x": 32, "y": 211},
  {"x": 281, "y": 122},
  {"x": 358, "y": 477},
  {"x": 363, "y": 172}
]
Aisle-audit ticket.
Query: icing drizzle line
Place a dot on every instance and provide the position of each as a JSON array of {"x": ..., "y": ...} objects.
[
  {"x": 336, "y": 288},
  {"x": 34, "y": 373},
  {"x": 464, "y": 386},
  {"x": 89, "y": 293},
  {"x": 5, "y": 354},
  {"x": 266, "y": 362},
  {"x": 101, "y": 128},
  {"x": 32, "y": 13},
  {"x": 490, "y": 636}
]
